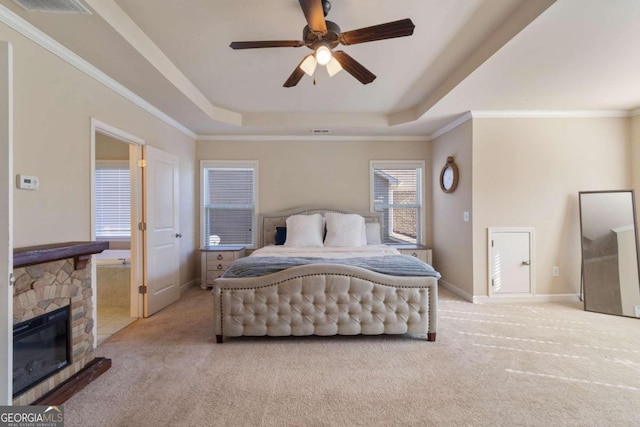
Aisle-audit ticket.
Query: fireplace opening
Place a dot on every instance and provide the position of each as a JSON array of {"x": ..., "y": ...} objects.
[{"x": 41, "y": 347}]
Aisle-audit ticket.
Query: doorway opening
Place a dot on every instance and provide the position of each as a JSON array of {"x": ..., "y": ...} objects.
[{"x": 116, "y": 186}]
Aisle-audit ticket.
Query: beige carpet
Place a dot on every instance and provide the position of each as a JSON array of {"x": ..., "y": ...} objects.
[{"x": 533, "y": 364}]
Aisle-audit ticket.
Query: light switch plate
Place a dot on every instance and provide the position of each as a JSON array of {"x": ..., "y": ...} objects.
[{"x": 465, "y": 216}]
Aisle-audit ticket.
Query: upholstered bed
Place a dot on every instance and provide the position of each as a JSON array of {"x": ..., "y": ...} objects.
[{"x": 334, "y": 293}]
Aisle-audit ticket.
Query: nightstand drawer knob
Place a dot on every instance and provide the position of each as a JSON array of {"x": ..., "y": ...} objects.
[
  {"x": 219, "y": 257},
  {"x": 219, "y": 267}
]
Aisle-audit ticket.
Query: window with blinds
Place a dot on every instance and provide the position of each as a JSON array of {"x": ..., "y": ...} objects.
[
  {"x": 396, "y": 191},
  {"x": 229, "y": 204},
  {"x": 113, "y": 199}
]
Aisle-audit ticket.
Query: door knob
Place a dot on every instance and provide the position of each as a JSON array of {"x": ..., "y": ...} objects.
[
  {"x": 525, "y": 262},
  {"x": 178, "y": 235}
]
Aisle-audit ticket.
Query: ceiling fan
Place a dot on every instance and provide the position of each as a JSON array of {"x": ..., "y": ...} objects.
[{"x": 323, "y": 36}]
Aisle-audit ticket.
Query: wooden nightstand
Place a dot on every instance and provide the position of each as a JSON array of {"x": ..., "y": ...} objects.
[
  {"x": 423, "y": 253},
  {"x": 215, "y": 260}
]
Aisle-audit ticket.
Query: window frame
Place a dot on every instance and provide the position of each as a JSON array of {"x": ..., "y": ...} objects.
[
  {"x": 119, "y": 164},
  {"x": 230, "y": 164},
  {"x": 421, "y": 197}
]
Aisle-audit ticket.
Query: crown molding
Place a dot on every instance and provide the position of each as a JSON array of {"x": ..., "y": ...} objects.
[
  {"x": 300, "y": 138},
  {"x": 532, "y": 115},
  {"x": 451, "y": 126},
  {"x": 32, "y": 33}
]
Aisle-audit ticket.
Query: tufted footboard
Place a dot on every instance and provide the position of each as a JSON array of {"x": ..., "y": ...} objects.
[{"x": 325, "y": 299}]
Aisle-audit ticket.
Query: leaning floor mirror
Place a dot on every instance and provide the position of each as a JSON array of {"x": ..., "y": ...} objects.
[{"x": 610, "y": 252}]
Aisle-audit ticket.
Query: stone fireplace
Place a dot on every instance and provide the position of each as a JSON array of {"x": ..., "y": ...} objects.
[{"x": 48, "y": 278}]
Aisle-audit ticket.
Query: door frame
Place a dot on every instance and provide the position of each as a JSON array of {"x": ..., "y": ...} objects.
[
  {"x": 6, "y": 223},
  {"x": 532, "y": 281},
  {"x": 137, "y": 255}
]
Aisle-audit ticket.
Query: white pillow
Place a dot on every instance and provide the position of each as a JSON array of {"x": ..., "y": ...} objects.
[
  {"x": 305, "y": 231},
  {"x": 373, "y": 233},
  {"x": 344, "y": 230}
]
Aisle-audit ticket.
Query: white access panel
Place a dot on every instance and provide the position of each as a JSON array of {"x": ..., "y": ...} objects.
[{"x": 511, "y": 263}]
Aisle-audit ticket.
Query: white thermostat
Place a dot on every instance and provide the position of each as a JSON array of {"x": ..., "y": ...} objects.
[{"x": 28, "y": 182}]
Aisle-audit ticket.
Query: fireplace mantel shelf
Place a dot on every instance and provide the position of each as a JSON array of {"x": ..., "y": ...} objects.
[{"x": 80, "y": 252}]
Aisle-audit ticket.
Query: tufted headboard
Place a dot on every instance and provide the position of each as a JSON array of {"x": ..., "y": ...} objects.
[{"x": 269, "y": 221}]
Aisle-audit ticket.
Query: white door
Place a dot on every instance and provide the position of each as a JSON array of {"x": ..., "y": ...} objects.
[
  {"x": 6, "y": 212},
  {"x": 510, "y": 261},
  {"x": 162, "y": 243}
]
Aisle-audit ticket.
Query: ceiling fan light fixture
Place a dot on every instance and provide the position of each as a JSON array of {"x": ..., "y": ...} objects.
[
  {"x": 333, "y": 67},
  {"x": 323, "y": 55},
  {"x": 322, "y": 36},
  {"x": 309, "y": 65}
]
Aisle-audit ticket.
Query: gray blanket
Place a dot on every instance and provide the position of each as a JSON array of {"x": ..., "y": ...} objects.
[{"x": 393, "y": 265}]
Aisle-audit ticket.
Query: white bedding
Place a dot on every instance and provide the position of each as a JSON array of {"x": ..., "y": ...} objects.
[{"x": 326, "y": 252}]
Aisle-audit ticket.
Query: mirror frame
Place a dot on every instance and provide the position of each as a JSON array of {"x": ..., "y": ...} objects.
[{"x": 582, "y": 249}]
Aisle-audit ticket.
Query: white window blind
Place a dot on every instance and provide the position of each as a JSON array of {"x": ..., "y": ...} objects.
[
  {"x": 397, "y": 193},
  {"x": 113, "y": 199},
  {"x": 229, "y": 205}
]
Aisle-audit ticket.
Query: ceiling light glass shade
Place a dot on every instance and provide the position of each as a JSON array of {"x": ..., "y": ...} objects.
[
  {"x": 333, "y": 67},
  {"x": 309, "y": 65},
  {"x": 323, "y": 55}
]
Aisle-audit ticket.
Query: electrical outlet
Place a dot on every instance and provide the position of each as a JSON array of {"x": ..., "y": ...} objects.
[{"x": 556, "y": 271}]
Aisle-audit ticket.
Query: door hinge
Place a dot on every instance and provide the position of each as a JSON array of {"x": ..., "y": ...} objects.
[
  {"x": 142, "y": 163},
  {"x": 492, "y": 243},
  {"x": 12, "y": 279},
  {"x": 493, "y": 283},
  {"x": 142, "y": 226},
  {"x": 142, "y": 289}
]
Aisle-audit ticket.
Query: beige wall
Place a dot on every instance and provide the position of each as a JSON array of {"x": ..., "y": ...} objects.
[
  {"x": 635, "y": 155},
  {"x": 296, "y": 173},
  {"x": 452, "y": 237},
  {"x": 108, "y": 148},
  {"x": 53, "y": 105},
  {"x": 528, "y": 172},
  {"x": 635, "y": 161}
]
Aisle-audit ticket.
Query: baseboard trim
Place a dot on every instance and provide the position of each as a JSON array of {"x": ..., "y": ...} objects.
[
  {"x": 508, "y": 299},
  {"x": 502, "y": 299},
  {"x": 452, "y": 288},
  {"x": 77, "y": 382},
  {"x": 185, "y": 286}
]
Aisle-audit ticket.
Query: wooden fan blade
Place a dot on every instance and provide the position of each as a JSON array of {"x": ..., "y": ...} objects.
[
  {"x": 314, "y": 15},
  {"x": 295, "y": 77},
  {"x": 266, "y": 43},
  {"x": 389, "y": 30},
  {"x": 354, "y": 68}
]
